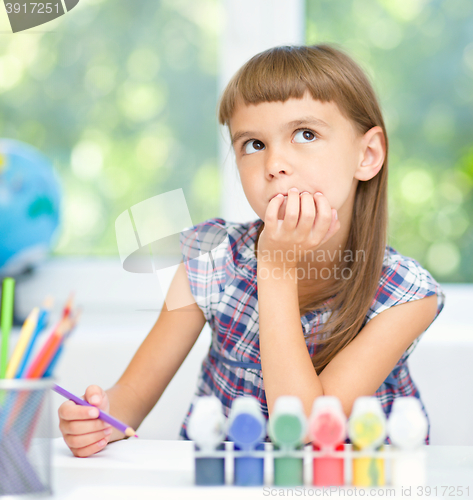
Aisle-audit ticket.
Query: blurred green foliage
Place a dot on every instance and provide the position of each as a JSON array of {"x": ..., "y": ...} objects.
[
  {"x": 121, "y": 96},
  {"x": 419, "y": 56}
]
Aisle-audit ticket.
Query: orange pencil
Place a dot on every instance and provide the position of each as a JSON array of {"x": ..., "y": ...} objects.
[{"x": 49, "y": 349}]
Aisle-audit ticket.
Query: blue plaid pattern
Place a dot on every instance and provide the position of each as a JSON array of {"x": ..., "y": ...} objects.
[{"x": 221, "y": 266}]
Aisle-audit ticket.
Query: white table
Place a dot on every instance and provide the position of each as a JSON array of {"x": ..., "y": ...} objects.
[{"x": 154, "y": 469}]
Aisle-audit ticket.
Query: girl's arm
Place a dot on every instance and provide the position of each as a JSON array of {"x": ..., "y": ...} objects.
[
  {"x": 358, "y": 370},
  {"x": 144, "y": 380},
  {"x": 362, "y": 366},
  {"x": 285, "y": 360},
  {"x": 159, "y": 356}
]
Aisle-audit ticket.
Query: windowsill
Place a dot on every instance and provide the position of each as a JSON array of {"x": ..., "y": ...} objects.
[{"x": 112, "y": 297}]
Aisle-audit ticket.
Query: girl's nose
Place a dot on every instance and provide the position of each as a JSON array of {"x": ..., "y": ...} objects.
[{"x": 277, "y": 164}]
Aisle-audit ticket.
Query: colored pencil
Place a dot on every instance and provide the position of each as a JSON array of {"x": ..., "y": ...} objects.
[
  {"x": 27, "y": 330},
  {"x": 8, "y": 295},
  {"x": 32, "y": 409},
  {"x": 7, "y": 407},
  {"x": 128, "y": 431},
  {"x": 42, "y": 360},
  {"x": 65, "y": 314},
  {"x": 26, "y": 403},
  {"x": 20, "y": 410},
  {"x": 68, "y": 307},
  {"x": 22, "y": 473},
  {"x": 49, "y": 370},
  {"x": 42, "y": 323},
  {"x": 26, "y": 431}
]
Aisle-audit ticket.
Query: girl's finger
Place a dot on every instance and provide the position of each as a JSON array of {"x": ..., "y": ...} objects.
[
  {"x": 324, "y": 216},
  {"x": 83, "y": 440},
  {"x": 72, "y": 411},
  {"x": 291, "y": 216},
  {"x": 76, "y": 427},
  {"x": 96, "y": 396},
  {"x": 271, "y": 215},
  {"x": 307, "y": 215},
  {"x": 89, "y": 448},
  {"x": 334, "y": 226}
]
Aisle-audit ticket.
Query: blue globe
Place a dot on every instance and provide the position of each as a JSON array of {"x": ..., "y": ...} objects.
[{"x": 30, "y": 197}]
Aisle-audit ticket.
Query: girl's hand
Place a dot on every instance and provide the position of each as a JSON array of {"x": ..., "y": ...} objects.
[
  {"x": 83, "y": 432},
  {"x": 309, "y": 222}
]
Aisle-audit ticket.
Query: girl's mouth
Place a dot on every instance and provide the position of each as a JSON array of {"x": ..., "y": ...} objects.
[{"x": 274, "y": 195}]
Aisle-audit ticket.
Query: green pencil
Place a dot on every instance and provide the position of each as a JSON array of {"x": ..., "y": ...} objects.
[{"x": 8, "y": 293}]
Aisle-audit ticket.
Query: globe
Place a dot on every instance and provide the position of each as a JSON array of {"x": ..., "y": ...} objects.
[{"x": 30, "y": 198}]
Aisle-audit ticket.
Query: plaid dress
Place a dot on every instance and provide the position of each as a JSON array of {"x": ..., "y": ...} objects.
[{"x": 221, "y": 265}]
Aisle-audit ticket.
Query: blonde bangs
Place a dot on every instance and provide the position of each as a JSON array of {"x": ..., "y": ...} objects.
[{"x": 281, "y": 73}]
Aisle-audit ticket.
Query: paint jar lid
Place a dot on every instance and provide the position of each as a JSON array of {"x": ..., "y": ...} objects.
[
  {"x": 288, "y": 423},
  {"x": 206, "y": 424},
  {"x": 407, "y": 424},
  {"x": 246, "y": 423},
  {"x": 367, "y": 423},
  {"x": 327, "y": 423}
]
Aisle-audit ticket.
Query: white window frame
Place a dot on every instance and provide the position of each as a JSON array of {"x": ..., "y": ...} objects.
[{"x": 250, "y": 26}]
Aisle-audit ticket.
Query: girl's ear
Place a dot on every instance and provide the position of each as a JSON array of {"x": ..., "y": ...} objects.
[{"x": 372, "y": 154}]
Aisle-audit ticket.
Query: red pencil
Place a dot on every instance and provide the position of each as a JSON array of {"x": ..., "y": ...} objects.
[{"x": 68, "y": 306}]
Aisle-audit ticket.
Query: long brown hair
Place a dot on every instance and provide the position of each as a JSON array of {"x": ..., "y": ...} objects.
[{"x": 328, "y": 74}]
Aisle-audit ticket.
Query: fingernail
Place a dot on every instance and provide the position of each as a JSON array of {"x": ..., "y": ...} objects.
[
  {"x": 280, "y": 195},
  {"x": 318, "y": 192},
  {"x": 95, "y": 399},
  {"x": 305, "y": 192},
  {"x": 108, "y": 431},
  {"x": 294, "y": 189},
  {"x": 94, "y": 413},
  {"x": 336, "y": 215}
]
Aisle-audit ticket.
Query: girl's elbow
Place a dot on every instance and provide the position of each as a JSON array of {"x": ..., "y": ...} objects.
[{"x": 346, "y": 402}]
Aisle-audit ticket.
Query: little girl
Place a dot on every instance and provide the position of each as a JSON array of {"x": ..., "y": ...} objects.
[{"x": 306, "y": 300}]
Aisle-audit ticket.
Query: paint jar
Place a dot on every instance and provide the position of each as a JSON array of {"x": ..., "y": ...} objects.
[
  {"x": 407, "y": 429},
  {"x": 367, "y": 431},
  {"x": 328, "y": 430},
  {"x": 209, "y": 470},
  {"x": 25, "y": 437},
  {"x": 206, "y": 427},
  {"x": 248, "y": 469},
  {"x": 246, "y": 428},
  {"x": 287, "y": 428}
]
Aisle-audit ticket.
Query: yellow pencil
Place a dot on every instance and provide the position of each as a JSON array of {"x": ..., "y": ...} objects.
[{"x": 25, "y": 335}]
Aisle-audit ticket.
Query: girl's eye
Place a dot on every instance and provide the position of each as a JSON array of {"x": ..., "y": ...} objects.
[
  {"x": 253, "y": 147},
  {"x": 304, "y": 136}
]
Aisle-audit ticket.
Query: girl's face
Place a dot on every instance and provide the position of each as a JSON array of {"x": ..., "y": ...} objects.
[{"x": 300, "y": 143}]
